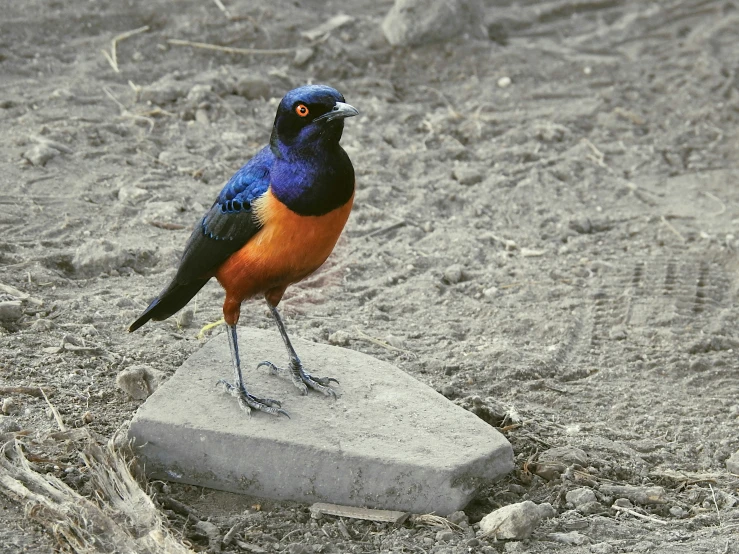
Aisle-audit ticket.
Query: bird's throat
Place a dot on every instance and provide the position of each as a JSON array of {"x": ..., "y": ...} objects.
[{"x": 313, "y": 182}]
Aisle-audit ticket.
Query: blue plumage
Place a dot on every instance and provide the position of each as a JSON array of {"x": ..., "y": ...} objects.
[{"x": 248, "y": 183}]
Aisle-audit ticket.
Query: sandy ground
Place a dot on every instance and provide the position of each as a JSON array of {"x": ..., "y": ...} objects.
[{"x": 546, "y": 220}]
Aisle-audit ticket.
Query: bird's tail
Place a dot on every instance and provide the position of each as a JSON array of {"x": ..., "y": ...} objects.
[{"x": 169, "y": 302}]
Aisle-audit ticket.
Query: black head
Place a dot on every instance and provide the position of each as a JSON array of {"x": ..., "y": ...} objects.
[{"x": 308, "y": 116}]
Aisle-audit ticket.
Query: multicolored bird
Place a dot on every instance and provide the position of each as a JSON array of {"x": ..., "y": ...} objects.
[{"x": 274, "y": 223}]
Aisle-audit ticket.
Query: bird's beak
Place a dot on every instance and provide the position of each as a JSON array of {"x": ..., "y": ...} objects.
[{"x": 339, "y": 111}]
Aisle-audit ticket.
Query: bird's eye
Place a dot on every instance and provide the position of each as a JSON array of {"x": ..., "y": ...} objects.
[{"x": 301, "y": 110}]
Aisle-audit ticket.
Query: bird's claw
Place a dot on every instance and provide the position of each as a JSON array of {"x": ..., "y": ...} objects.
[
  {"x": 249, "y": 402},
  {"x": 304, "y": 380}
]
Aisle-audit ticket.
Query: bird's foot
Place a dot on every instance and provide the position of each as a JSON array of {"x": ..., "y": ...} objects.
[
  {"x": 249, "y": 402},
  {"x": 304, "y": 380}
]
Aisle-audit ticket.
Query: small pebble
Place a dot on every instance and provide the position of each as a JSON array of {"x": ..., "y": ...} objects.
[
  {"x": 449, "y": 391},
  {"x": 732, "y": 463},
  {"x": 638, "y": 495},
  {"x": 565, "y": 454},
  {"x": 578, "y": 497},
  {"x": 138, "y": 381},
  {"x": 515, "y": 521},
  {"x": 602, "y": 548},
  {"x": 253, "y": 88},
  {"x": 417, "y": 22},
  {"x": 573, "y": 538},
  {"x": 8, "y": 425},
  {"x": 623, "y": 503},
  {"x": 590, "y": 508},
  {"x": 504, "y": 82},
  {"x": 207, "y": 528},
  {"x": 10, "y": 406},
  {"x": 458, "y": 518},
  {"x": 444, "y": 536},
  {"x": 490, "y": 292},
  {"x": 303, "y": 55},
  {"x": 339, "y": 338},
  {"x": 185, "y": 318},
  {"x": 39, "y": 154},
  {"x": 467, "y": 176},
  {"x": 677, "y": 511},
  {"x": 11, "y": 311},
  {"x": 87, "y": 417},
  {"x": 132, "y": 194},
  {"x": 453, "y": 274},
  {"x": 201, "y": 116},
  {"x": 42, "y": 325}
]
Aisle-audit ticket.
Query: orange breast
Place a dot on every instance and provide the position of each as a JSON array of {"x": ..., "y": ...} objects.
[{"x": 288, "y": 248}]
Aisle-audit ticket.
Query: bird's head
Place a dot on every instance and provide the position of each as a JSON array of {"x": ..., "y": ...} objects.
[{"x": 309, "y": 116}]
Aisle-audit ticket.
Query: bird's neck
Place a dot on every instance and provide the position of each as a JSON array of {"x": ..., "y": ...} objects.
[{"x": 312, "y": 180}]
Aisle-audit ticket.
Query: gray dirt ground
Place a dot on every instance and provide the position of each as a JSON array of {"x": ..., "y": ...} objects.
[{"x": 563, "y": 248}]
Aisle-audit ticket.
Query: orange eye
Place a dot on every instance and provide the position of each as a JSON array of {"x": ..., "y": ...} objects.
[{"x": 301, "y": 110}]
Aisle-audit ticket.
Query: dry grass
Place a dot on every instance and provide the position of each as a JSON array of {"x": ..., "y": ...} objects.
[{"x": 119, "y": 516}]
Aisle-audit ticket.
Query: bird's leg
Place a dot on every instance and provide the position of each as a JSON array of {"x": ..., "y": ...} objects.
[
  {"x": 300, "y": 377},
  {"x": 247, "y": 401}
]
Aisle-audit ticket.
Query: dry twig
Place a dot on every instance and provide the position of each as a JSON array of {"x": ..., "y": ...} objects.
[
  {"x": 112, "y": 57},
  {"x": 353, "y": 512},
  {"x": 57, "y": 415},
  {"x": 640, "y": 516},
  {"x": 361, "y": 335},
  {"x": 38, "y": 392},
  {"x": 122, "y": 518},
  {"x": 717, "y": 199},
  {"x": 432, "y": 520},
  {"x": 222, "y": 8},
  {"x": 230, "y": 50},
  {"x": 672, "y": 228},
  {"x": 126, "y": 113}
]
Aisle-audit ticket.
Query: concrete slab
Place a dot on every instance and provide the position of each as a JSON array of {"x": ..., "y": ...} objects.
[{"x": 388, "y": 442}]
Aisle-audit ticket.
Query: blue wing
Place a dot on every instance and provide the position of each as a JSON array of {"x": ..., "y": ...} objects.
[
  {"x": 224, "y": 229},
  {"x": 230, "y": 222}
]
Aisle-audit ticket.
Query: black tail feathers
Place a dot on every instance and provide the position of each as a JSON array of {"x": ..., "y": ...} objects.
[{"x": 169, "y": 302}]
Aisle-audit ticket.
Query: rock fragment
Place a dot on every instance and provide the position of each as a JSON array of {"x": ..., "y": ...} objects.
[
  {"x": 165, "y": 90},
  {"x": 602, "y": 548},
  {"x": 416, "y": 22},
  {"x": 638, "y": 495},
  {"x": 253, "y": 87},
  {"x": 211, "y": 531},
  {"x": 504, "y": 82},
  {"x": 732, "y": 463},
  {"x": 515, "y": 521},
  {"x": 453, "y": 274},
  {"x": 573, "y": 538},
  {"x": 303, "y": 56},
  {"x": 8, "y": 425},
  {"x": 39, "y": 154},
  {"x": 466, "y": 175},
  {"x": 185, "y": 318},
  {"x": 138, "y": 381},
  {"x": 339, "y": 338},
  {"x": 578, "y": 497},
  {"x": 553, "y": 462},
  {"x": 10, "y": 406},
  {"x": 99, "y": 256},
  {"x": 132, "y": 194},
  {"x": 11, "y": 311}
]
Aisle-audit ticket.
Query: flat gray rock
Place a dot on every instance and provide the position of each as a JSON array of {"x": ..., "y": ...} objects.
[{"x": 388, "y": 442}]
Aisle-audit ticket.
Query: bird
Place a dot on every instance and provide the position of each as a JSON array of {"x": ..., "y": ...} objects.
[{"x": 274, "y": 223}]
